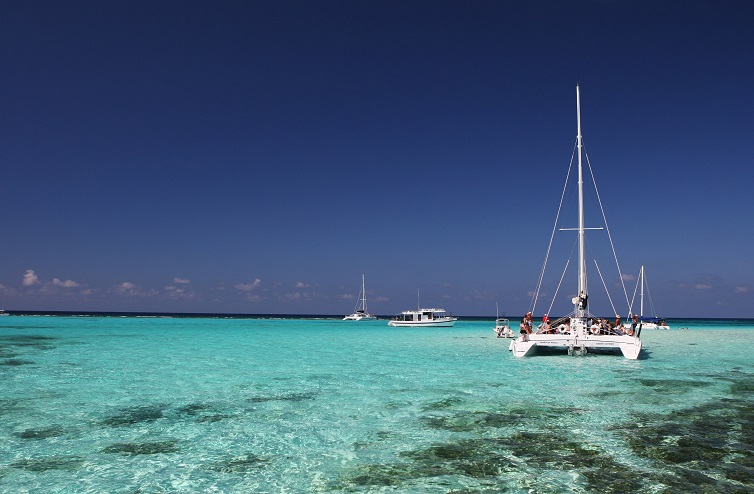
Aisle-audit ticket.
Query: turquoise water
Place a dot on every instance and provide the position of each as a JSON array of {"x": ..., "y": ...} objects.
[{"x": 106, "y": 404}]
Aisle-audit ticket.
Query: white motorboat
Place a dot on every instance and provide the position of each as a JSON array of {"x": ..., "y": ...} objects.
[
  {"x": 502, "y": 325},
  {"x": 423, "y": 317},
  {"x": 360, "y": 312},
  {"x": 578, "y": 335},
  {"x": 503, "y": 328}
]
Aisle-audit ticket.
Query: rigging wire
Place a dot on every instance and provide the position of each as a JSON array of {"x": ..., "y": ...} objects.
[
  {"x": 552, "y": 234},
  {"x": 558, "y": 288},
  {"x": 633, "y": 298},
  {"x": 609, "y": 298},
  {"x": 607, "y": 228},
  {"x": 538, "y": 289},
  {"x": 649, "y": 295}
]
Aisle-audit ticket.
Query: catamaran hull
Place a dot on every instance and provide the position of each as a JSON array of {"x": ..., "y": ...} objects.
[
  {"x": 629, "y": 346},
  {"x": 651, "y": 325},
  {"x": 359, "y": 318}
]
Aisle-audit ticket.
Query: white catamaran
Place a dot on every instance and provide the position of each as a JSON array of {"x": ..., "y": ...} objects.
[
  {"x": 580, "y": 331},
  {"x": 360, "y": 312}
]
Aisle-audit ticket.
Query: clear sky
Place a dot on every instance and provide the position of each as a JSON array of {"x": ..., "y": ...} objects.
[{"x": 260, "y": 156}]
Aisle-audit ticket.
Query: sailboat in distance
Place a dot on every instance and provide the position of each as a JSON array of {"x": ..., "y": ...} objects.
[
  {"x": 580, "y": 331},
  {"x": 360, "y": 312},
  {"x": 653, "y": 322}
]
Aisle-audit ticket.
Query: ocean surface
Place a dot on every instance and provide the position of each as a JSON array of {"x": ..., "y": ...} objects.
[{"x": 152, "y": 405}]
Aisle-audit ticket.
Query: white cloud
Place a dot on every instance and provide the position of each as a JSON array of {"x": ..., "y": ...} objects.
[
  {"x": 30, "y": 278},
  {"x": 247, "y": 287},
  {"x": 177, "y": 292},
  {"x": 299, "y": 296},
  {"x": 65, "y": 284},
  {"x": 742, "y": 289},
  {"x": 300, "y": 284},
  {"x": 253, "y": 297},
  {"x": 133, "y": 290},
  {"x": 628, "y": 277},
  {"x": 181, "y": 281},
  {"x": 702, "y": 286}
]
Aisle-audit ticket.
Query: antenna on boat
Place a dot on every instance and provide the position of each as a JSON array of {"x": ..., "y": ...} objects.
[{"x": 418, "y": 305}]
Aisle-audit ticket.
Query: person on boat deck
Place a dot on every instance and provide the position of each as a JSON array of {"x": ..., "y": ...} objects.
[
  {"x": 604, "y": 326},
  {"x": 524, "y": 329},
  {"x": 634, "y": 324},
  {"x": 618, "y": 328},
  {"x": 529, "y": 322},
  {"x": 526, "y": 325},
  {"x": 546, "y": 324}
]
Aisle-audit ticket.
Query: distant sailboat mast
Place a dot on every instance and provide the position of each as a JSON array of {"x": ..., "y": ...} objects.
[
  {"x": 363, "y": 296},
  {"x": 641, "y": 298},
  {"x": 360, "y": 312}
]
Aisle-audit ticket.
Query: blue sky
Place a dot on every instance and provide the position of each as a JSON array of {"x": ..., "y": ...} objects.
[{"x": 258, "y": 157}]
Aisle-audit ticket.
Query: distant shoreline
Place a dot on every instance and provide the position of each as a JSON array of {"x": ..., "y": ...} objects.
[
  {"x": 209, "y": 315},
  {"x": 201, "y": 315}
]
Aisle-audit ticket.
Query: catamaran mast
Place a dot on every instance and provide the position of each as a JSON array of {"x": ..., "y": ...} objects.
[{"x": 582, "y": 262}]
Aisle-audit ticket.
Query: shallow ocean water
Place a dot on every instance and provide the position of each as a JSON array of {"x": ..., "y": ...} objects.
[{"x": 126, "y": 404}]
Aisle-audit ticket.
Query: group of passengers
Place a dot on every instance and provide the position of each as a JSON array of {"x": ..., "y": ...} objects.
[
  {"x": 603, "y": 326},
  {"x": 596, "y": 326}
]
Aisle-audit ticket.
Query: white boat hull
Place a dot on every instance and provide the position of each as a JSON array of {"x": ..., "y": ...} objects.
[
  {"x": 429, "y": 317},
  {"x": 647, "y": 325},
  {"x": 429, "y": 324},
  {"x": 503, "y": 332},
  {"x": 651, "y": 325},
  {"x": 354, "y": 317},
  {"x": 629, "y": 346}
]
